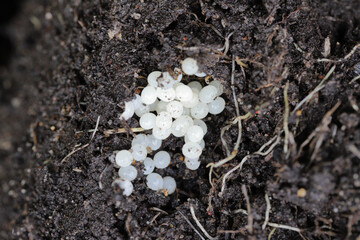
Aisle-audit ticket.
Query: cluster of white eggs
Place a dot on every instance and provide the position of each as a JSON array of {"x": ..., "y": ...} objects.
[{"x": 168, "y": 106}]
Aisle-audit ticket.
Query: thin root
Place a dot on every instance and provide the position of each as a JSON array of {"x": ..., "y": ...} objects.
[
  {"x": 78, "y": 148},
  {"x": 199, "y": 224},
  {"x": 192, "y": 226},
  {"x": 267, "y": 213}
]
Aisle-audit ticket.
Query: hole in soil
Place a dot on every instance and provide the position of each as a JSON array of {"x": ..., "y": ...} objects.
[
  {"x": 6, "y": 49},
  {"x": 341, "y": 31}
]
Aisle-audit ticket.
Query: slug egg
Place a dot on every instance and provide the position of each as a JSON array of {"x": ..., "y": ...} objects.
[
  {"x": 154, "y": 181},
  {"x": 208, "y": 94},
  {"x": 123, "y": 158},
  {"x": 148, "y": 95},
  {"x": 169, "y": 184},
  {"x": 162, "y": 159},
  {"x": 189, "y": 66},
  {"x": 128, "y": 173},
  {"x": 147, "y": 121}
]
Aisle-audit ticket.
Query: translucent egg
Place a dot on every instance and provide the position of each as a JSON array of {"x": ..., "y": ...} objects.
[
  {"x": 149, "y": 166},
  {"x": 218, "y": 85},
  {"x": 196, "y": 85},
  {"x": 142, "y": 109},
  {"x": 177, "y": 74},
  {"x": 123, "y": 158},
  {"x": 191, "y": 150},
  {"x": 136, "y": 101},
  {"x": 161, "y": 107},
  {"x": 128, "y": 173},
  {"x": 202, "y": 144},
  {"x": 192, "y": 164},
  {"x": 208, "y": 94},
  {"x": 186, "y": 111},
  {"x": 175, "y": 108},
  {"x": 200, "y": 111},
  {"x": 166, "y": 95},
  {"x": 160, "y": 133},
  {"x": 202, "y": 124},
  {"x": 166, "y": 81},
  {"x": 125, "y": 185},
  {"x": 169, "y": 184},
  {"x": 217, "y": 106},
  {"x": 200, "y": 74},
  {"x": 195, "y": 133},
  {"x": 153, "y": 78},
  {"x": 189, "y": 66},
  {"x": 193, "y": 102},
  {"x": 184, "y": 93},
  {"x": 164, "y": 120},
  {"x": 141, "y": 139},
  {"x": 154, "y": 143},
  {"x": 147, "y": 121},
  {"x": 177, "y": 84},
  {"x": 153, "y": 106},
  {"x": 139, "y": 152},
  {"x": 129, "y": 111},
  {"x": 148, "y": 95},
  {"x": 181, "y": 125},
  {"x": 154, "y": 181},
  {"x": 162, "y": 159}
]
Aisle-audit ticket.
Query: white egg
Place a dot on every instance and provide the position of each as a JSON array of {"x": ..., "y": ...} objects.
[
  {"x": 189, "y": 66},
  {"x": 154, "y": 181},
  {"x": 123, "y": 158}
]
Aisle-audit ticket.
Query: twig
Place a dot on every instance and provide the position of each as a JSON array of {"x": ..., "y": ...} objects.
[
  {"x": 122, "y": 130},
  {"x": 227, "y": 43},
  {"x": 341, "y": 59},
  {"x": 84, "y": 146},
  {"x": 239, "y": 166},
  {"x": 354, "y": 79},
  {"x": 192, "y": 226},
  {"x": 267, "y": 213},
  {"x": 101, "y": 176},
  {"x": 158, "y": 210},
  {"x": 276, "y": 225},
  {"x": 199, "y": 224},
  {"x": 286, "y": 118},
  {"x": 354, "y": 150},
  {"x": 232, "y": 231},
  {"x": 271, "y": 233},
  {"x": 249, "y": 226},
  {"x": 317, "y": 88}
]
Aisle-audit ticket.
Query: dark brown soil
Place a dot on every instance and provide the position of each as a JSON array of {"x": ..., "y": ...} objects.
[{"x": 74, "y": 61}]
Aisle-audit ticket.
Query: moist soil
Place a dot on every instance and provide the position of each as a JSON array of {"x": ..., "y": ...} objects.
[{"x": 74, "y": 63}]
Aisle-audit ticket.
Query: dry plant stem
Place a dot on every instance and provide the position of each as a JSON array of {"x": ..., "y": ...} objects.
[
  {"x": 276, "y": 225},
  {"x": 354, "y": 150},
  {"x": 249, "y": 226},
  {"x": 322, "y": 127},
  {"x": 267, "y": 213},
  {"x": 223, "y": 130},
  {"x": 78, "y": 148},
  {"x": 342, "y": 59},
  {"x": 239, "y": 166},
  {"x": 192, "y": 226},
  {"x": 199, "y": 224},
  {"x": 286, "y": 118},
  {"x": 318, "y": 88},
  {"x": 354, "y": 79},
  {"x": 271, "y": 233},
  {"x": 122, "y": 130}
]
